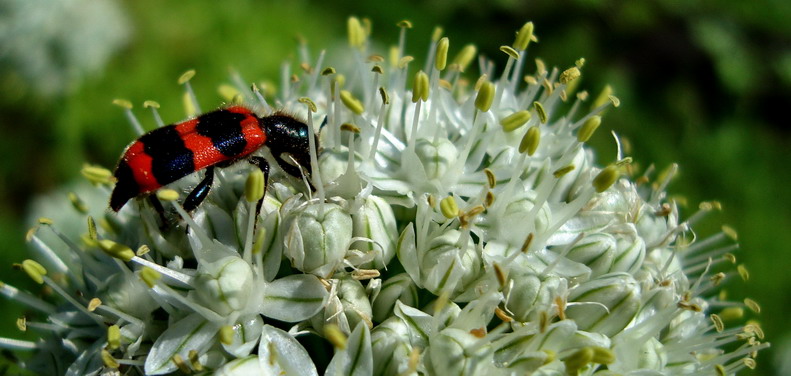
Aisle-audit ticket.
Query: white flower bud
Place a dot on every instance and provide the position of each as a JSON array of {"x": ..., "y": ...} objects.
[
  {"x": 375, "y": 221},
  {"x": 629, "y": 254},
  {"x": 596, "y": 251},
  {"x": 457, "y": 352},
  {"x": 398, "y": 287},
  {"x": 618, "y": 292},
  {"x": 317, "y": 237},
  {"x": 436, "y": 155},
  {"x": 224, "y": 285},
  {"x": 346, "y": 309},
  {"x": 390, "y": 346},
  {"x": 245, "y": 336},
  {"x": 528, "y": 295},
  {"x": 445, "y": 257},
  {"x": 355, "y": 302},
  {"x": 126, "y": 293},
  {"x": 515, "y": 223}
]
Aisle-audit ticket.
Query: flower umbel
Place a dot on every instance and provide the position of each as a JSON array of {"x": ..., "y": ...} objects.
[{"x": 458, "y": 226}]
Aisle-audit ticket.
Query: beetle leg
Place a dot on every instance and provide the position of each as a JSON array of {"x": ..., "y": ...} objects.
[
  {"x": 200, "y": 192},
  {"x": 262, "y": 165},
  {"x": 157, "y": 205}
]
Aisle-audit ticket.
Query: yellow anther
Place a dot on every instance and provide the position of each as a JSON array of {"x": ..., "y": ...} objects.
[
  {"x": 404, "y": 24},
  {"x": 512, "y": 53},
  {"x": 483, "y": 102},
  {"x": 489, "y": 199},
  {"x": 150, "y": 104},
  {"x": 34, "y": 270},
  {"x": 356, "y": 32},
  {"x": 404, "y": 61},
  {"x": 743, "y": 272},
  {"x": 606, "y": 178},
  {"x": 150, "y": 276},
  {"x": 254, "y": 186},
  {"x": 97, "y": 175},
  {"x": 603, "y": 97},
  {"x": 335, "y": 336},
  {"x": 328, "y": 71},
  {"x": 92, "y": 229},
  {"x": 45, "y": 221},
  {"x": 717, "y": 321},
  {"x": 588, "y": 128},
  {"x": 530, "y": 80},
  {"x": 730, "y": 232},
  {"x": 569, "y": 75},
  {"x": 226, "y": 334},
  {"x": 93, "y": 304},
  {"x": 179, "y": 362},
  {"x": 420, "y": 90},
  {"x": 383, "y": 95},
  {"x": 541, "y": 67},
  {"x": 530, "y": 141},
  {"x": 194, "y": 358},
  {"x": 186, "y": 76},
  {"x": 615, "y": 101},
  {"x": 563, "y": 171},
  {"x": 113, "y": 337},
  {"x": 308, "y": 102},
  {"x": 116, "y": 250},
  {"x": 376, "y": 59},
  {"x": 448, "y": 207},
  {"x": 351, "y": 102},
  {"x": 108, "y": 360},
  {"x": 349, "y": 127},
  {"x": 167, "y": 194},
  {"x": 542, "y": 114},
  {"x": 465, "y": 57},
  {"x": 752, "y": 305},
  {"x": 21, "y": 324},
  {"x": 579, "y": 359},
  {"x": 77, "y": 203},
  {"x": 437, "y": 33},
  {"x": 228, "y": 92},
  {"x": 602, "y": 355},
  {"x": 123, "y": 103},
  {"x": 491, "y": 179},
  {"x": 524, "y": 36},
  {"x": 512, "y": 122},
  {"x": 441, "y": 59},
  {"x": 142, "y": 250}
]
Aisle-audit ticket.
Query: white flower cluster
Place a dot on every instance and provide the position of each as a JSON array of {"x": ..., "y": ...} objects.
[
  {"x": 456, "y": 228},
  {"x": 51, "y": 45}
]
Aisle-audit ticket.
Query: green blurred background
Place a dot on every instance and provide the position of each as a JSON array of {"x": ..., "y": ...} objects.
[{"x": 701, "y": 83}]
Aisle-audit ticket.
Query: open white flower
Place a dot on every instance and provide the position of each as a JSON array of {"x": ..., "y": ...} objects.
[{"x": 459, "y": 225}]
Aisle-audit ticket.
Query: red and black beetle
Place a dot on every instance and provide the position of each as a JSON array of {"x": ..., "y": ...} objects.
[{"x": 214, "y": 139}]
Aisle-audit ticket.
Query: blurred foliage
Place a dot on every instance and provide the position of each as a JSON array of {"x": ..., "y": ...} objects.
[{"x": 702, "y": 83}]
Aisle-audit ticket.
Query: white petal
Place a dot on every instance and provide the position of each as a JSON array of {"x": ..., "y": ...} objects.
[
  {"x": 281, "y": 354},
  {"x": 190, "y": 333},
  {"x": 294, "y": 298}
]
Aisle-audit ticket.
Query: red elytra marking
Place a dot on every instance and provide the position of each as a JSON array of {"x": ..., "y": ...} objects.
[
  {"x": 240, "y": 110},
  {"x": 186, "y": 127},
  {"x": 253, "y": 133},
  {"x": 140, "y": 163},
  {"x": 204, "y": 152}
]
